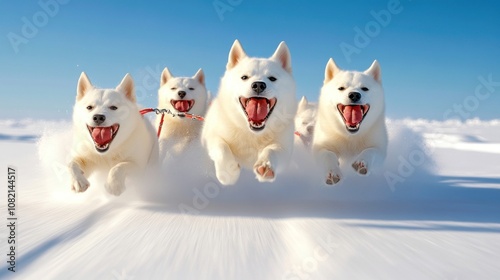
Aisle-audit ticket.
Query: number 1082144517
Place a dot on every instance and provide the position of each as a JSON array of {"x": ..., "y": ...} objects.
[{"x": 11, "y": 191}]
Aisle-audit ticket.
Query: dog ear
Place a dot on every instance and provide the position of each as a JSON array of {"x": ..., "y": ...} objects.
[
  {"x": 200, "y": 76},
  {"x": 165, "y": 76},
  {"x": 235, "y": 55},
  {"x": 84, "y": 85},
  {"x": 375, "y": 71},
  {"x": 282, "y": 55},
  {"x": 302, "y": 104},
  {"x": 127, "y": 87},
  {"x": 331, "y": 70}
]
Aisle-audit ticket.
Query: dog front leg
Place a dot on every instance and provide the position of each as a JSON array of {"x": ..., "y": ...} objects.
[
  {"x": 78, "y": 168},
  {"x": 227, "y": 168},
  {"x": 368, "y": 160},
  {"x": 329, "y": 164},
  {"x": 270, "y": 158},
  {"x": 115, "y": 183}
]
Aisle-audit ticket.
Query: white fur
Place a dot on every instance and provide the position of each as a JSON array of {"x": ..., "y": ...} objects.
[
  {"x": 177, "y": 132},
  {"x": 227, "y": 136},
  {"x": 333, "y": 143},
  {"x": 305, "y": 120},
  {"x": 133, "y": 147}
]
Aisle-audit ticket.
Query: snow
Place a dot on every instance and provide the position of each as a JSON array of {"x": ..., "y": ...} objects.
[{"x": 432, "y": 213}]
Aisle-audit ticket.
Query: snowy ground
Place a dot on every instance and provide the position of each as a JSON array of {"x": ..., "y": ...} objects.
[{"x": 434, "y": 213}]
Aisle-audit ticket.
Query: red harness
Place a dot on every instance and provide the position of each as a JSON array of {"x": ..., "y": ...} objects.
[
  {"x": 187, "y": 115},
  {"x": 167, "y": 111}
]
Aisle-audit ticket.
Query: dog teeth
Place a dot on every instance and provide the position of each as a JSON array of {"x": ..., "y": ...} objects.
[
  {"x": 105, "y": 146},
  {"x": 353, "y": 128},
  {"x": 258, "y": 125}
]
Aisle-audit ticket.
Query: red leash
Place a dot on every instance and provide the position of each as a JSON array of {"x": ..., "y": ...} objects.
[
  {"x": 167, "y": 111},
  {"x": 187, "y": 115}
]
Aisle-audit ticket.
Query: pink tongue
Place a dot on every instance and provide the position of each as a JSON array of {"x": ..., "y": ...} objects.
[
  {"x": 102, "y": 135},
  {"x": 257, "y": 109},
  {"x": 181, "y": 105},
  {"x": 353, "y": 114}
]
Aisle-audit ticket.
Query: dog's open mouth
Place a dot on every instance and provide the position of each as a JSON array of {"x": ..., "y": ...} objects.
[
  {"x": 257, "y": 110},
  {"x": 353, "y": 115},
  {"x": 103, "y": 136},
  {"x": 182, "y": 106}
]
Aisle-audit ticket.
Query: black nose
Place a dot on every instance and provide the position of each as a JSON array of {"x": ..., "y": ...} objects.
[
  {"x": 258, "y": 87},
  {"x": 181, "y": 93},
  {"x": 99, "y": 119},
  {"x": 354, "y": 96}
]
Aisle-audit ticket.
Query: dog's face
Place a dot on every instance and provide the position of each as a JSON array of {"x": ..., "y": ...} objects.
[
  {"x": 355, "y": 99},
  {"x": 305, "y": 118},
  {"x": 183, "y": 94},
  {"x": 106, "y": 116},
  {"x": 260, "y": 91}
]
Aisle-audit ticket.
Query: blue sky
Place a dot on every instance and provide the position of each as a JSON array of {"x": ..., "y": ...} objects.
[{"x": 433, "y": 54}]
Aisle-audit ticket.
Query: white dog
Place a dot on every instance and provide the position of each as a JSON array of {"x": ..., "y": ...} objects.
[
  {"x": 181, "y": 95},
  {"x": 350, "y": 125},
  {"x": 305, "y": 121},
  {"x": 110, "y": 134},
  {"x": 250, "y": 123}
]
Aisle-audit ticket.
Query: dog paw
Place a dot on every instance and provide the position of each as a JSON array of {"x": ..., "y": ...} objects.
[
  {"x": 115, "y": 188},
  {"x": 360, "y": 167},
  {"x": 264, "y": 172},
  {"x": 227, "y": 173},
  {"x": 79, "y": 184},
  {"x": 332, "y": 179}
]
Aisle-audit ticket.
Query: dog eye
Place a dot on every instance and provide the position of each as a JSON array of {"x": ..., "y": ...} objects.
[
  {"x": 341, "y": 88},
  {"x": 90, "y": 107},
  {"x": 113, "y": 107},
  {"x": 174, "y": 88},
  {"x": 244, "y": 77},
  {"x": 364, "y": 89},
  {"x": 272, "y": 79},
  {"x": 191, "y": 88}
]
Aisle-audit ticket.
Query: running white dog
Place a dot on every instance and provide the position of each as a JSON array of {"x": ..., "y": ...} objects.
[
  {"x": 350, "y": 125},
  {"x": 180, "y": 95},
  {"x": 305, "y": 121},
  {"x": 250, "y": 123},
  {"x": 110, "y": 134}
]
